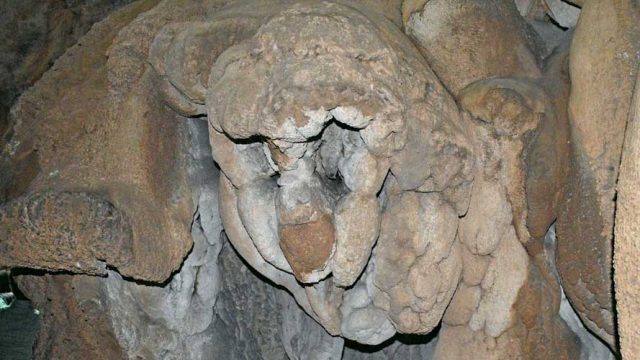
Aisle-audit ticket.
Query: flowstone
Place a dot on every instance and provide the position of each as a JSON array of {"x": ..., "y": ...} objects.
[{"x": 316, "y": 179}]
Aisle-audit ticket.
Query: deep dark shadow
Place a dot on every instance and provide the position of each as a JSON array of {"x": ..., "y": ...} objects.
[{"x": 406, "y": 339}]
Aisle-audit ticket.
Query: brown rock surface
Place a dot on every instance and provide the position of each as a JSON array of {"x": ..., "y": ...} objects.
[
  {"x": 627, "y": 232},
  {"x": 520, "y": 128},
  {"x": 93, "y": 125},
  {"x": 307, "y": 246},
  {"x": 75, "y": 321},
  {"x": 60, "y": 231},
  {"x": 604, "y": 59},
  {"x": 350, "y": 176},
  {"x": 459, "y": 39},
  {"x": 34, "y": 33}
]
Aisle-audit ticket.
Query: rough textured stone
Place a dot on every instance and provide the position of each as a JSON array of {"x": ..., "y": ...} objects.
[
  {"x": 172, "y": 321},
  {"x": 418, "y": 261},
  {"x": 385, "y": 167},
  {"x": 591, "y": 347},
  {"x": 518, "y": 153},
  {"x": 74, "y": 317},
  {"x": 59, "y": 231},
  {"x": 458, "y": 39},
  {"x": 207, "y": 304},
  {"x": 627, "y": 231},
  {"x": 256, "y": 320},
  {"x": 564, "y": 13},
  {"x": 604, "y": 59},
  {"x": 401, "y": 347},
  {"x": 326, "y": 202},
  {"x": 34, "y": 34},
  {"x": 92, "y": 125},
  {"x": 273, "y": 112}
]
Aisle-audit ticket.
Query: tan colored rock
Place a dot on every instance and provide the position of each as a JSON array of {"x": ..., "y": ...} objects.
[
  {"x": 603, "y": 63},
  {"x": 458, "y": 39},
  {"x": 357, "y": 226},
  {"x": 349, "y": 174},
  {"x": 480, "y": 236},
  {"x": 274, "y": 111},
  {"x": 501, "y": 284},
  {"x": 512, "y": 120},
  {"x": 418, "y": 260},
  {"x": 627, "y": 232},
  {"x": 276, "y": 118},
  {"x": 547, "y": 155},
  {"x": 474, "y": 268},
  {"x": 463, "y": 305}
]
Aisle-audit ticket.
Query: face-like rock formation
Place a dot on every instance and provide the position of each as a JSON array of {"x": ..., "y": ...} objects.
[
  {"x": 332, "y": 132},
  {"x": 353, "y": 179},
  {"x": 395, "y": 168}
]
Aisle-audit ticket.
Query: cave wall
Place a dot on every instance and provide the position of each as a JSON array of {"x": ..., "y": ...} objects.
[
  {"x": 317, "y": 180},
  {"x": 34, "y": 34}
]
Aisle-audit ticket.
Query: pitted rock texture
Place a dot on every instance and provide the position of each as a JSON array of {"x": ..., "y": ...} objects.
[
  {"x": 58, "y": 231},
  {"x": 172, "y": 321},
  {"x": 418, "y": 261},
  {"x": 627, "y": 231},
  {"x": 328, "y": 142},
  {"x": 74, "y": 318},
  {"x": 213, "y": 300},
  {"x": 410, "y": 347},
  {"x": 34, "y": 34},
  {"x": 605, "y": 52},
  {"x": 91, "y": 125},
  {"x": 458, "y": 39},
  {"x": 385, "y": 168},
  {"x": 307, "y": 125}
]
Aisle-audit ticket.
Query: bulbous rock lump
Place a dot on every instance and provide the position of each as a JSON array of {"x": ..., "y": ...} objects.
[
  {"x": 314, "y": 115},
  {"x": 346, "y": 167}
]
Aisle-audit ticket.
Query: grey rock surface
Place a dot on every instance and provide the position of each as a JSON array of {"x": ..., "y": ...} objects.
[
  {"x": 256, "y": 320},
  {"x": 215, "y": 306},
  {"x": 171, "y": 321}
]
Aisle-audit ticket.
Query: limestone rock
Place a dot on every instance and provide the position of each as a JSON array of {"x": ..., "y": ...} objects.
[
  {"x": 402, "y": 347},
  {"x": 74, "y": 317},
  {"x": 418, "y": 261},
  {"x": 34, "y": 34},
  {"x": 627, "y": 232},
  {"x": 270, "y": 119},
  {"x": 76, "y": 131},
  {"x": 604, "y": 59},
  {"x": 458, "y": 39},
  {"x": 322, "y": 179}
]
